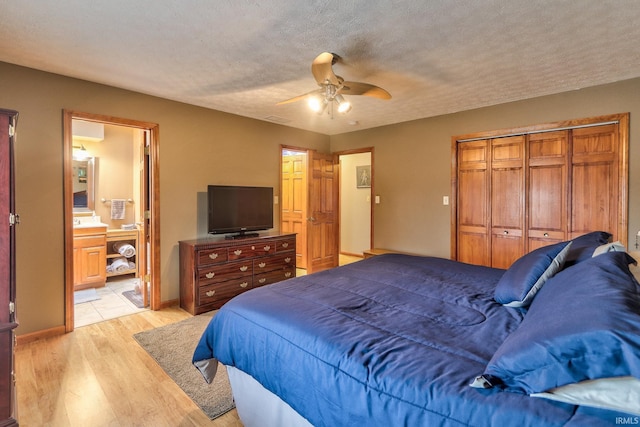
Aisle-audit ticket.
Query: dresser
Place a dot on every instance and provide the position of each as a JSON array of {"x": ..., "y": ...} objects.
[
  {"x": 214, "y": 270},
  {"x": 8, "y": 321}
]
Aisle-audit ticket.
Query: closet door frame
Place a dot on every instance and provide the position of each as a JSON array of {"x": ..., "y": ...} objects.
[{"x": 622, "y": 121}]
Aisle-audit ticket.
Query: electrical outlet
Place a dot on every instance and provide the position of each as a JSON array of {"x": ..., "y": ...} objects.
[{"x": 445, "y": 200}]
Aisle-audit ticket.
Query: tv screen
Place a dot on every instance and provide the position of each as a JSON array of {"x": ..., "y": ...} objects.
[{"x": 236, "y": 209}]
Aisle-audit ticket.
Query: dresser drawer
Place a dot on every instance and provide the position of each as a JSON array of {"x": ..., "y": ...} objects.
[
  {"x": 286, "y": 244},
  {"x": 273, "y": 276},
  {"x": 252, "y": 250},
  {"x": 211, "y": 256},
  {"x": 275, "y": 262},
  {"x": 218, "y": 292},
  {"x": 228, "y": 271}
]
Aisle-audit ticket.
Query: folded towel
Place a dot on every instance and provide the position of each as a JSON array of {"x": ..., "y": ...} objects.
[
  {"x": 124, "y": 249},
  {"x": 117, "y": 208},
  {"x": 119, "y": 265}
]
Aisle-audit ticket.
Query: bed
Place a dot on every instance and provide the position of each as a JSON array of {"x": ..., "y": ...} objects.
[{"x": 400, "y": 340}]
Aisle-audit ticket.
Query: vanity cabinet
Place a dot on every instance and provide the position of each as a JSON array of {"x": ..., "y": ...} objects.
[
  {"x": 114, "y": 258},
  {"x": 89, "y": 257},
  {"x": 8, "y": 319},
  {"x": 214, "y": 270}
]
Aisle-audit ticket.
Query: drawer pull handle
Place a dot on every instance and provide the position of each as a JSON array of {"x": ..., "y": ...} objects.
[
  {"x": 262, "y": 280},
  {"x": 237, "y": 251},
  {"x": 244, "y": 268},
  {"x": 285, "y": 245},
  {"x": 253, "y": 248},
  {"x": 267, "y": 247},
  {"x": 546, "y": 234},
  {"x": 262, "y": 264},
  {"x": 210, "y": 275},
  {"x": 287, "y": 260},
  {"x": 213, "y": 255},
  {"x": 287, "y": 274},
  {"x": 210, "y": 293},
  {"x": 244, "y": 284}
]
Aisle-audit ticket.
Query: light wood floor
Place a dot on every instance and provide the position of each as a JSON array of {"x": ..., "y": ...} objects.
[{"x": 99, "y": 376}]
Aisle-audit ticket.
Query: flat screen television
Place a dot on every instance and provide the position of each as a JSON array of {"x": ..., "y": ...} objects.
[{"x": 239, "y": 209}]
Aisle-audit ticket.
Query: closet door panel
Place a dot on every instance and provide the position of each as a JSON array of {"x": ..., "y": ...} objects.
[
  {"x": 507, "y": 200},
  {"x": 473, "y": 215},
  {"x": 595, "y": 181},
  {"x": 547, "y": 188}
]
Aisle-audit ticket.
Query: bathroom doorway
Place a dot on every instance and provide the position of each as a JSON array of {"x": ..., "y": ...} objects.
[{"x": 111, "y": 217}]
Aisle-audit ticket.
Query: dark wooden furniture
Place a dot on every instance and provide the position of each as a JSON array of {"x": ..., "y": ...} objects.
[
  {"x": 214, "y": 270},
  {"x": 8, "y": 220}
]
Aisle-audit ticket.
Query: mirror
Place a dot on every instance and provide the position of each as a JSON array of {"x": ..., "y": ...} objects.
[{"x": 84, "y": 184}]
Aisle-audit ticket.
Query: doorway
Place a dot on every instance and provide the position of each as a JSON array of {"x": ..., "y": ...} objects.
[
  {"x": 121, "y": 209},
  {"x": 300, "y": 191}
]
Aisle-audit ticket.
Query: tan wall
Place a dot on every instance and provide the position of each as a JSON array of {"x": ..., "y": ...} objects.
[
  {"x": 413, "y": 160},
  {"x": 197, "y": 147}
]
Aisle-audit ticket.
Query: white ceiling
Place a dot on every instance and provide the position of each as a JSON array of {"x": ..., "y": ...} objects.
[{"x": 433, "y": 56}]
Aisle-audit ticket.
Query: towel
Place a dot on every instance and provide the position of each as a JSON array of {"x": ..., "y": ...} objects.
[
  {"x": 118, "y": 265},
  {"x": 125, "y": 249},
  {"x": 117, "y": 208}
]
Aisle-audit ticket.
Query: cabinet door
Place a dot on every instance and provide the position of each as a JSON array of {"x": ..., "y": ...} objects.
[
  {"x": 595, "y": 181},
  {"x": 93, "y": 267},
  {"x": 472, "y": 204},
  {"x": 507, "y": 200},
  {"x": 547, "y": 195}
]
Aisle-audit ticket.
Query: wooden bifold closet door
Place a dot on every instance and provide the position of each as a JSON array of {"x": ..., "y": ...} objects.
[{"x": 537, "y": 186}]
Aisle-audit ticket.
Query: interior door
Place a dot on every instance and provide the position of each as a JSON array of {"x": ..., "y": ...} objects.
[
  {"x": 322, "y": 223},
  {"x": 144, "y": 273},
  {"x": 293, "y": 203}
]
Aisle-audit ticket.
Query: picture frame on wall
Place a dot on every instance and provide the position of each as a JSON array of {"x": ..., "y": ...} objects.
[{"x": 363, "y": 176}]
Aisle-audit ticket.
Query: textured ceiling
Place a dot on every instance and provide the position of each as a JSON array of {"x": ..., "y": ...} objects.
[{"x": 434, "y": 57}]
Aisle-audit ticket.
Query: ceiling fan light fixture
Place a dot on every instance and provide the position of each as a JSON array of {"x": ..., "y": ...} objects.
[
  {"x": 344, "y": 106},
  {"x": 317, "y": 103}
]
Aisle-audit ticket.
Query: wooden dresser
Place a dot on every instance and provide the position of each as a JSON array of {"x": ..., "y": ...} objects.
[
  {"x": 214, "y": 270},
  {"x": 8, "y": 321}
]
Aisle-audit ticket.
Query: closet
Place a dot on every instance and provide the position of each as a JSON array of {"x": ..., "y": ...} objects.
[
  {"x": 8, "y": 321},
  {"x": 516, "y": 190}
]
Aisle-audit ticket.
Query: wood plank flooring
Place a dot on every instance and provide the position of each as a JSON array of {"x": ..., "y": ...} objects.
[{"x": 99, "y": 376}]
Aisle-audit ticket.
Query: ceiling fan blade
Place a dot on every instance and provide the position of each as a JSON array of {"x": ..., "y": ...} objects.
[
  {"x": 298, "y": 98},
  {"x": 366, "y": 89},
  {"x": 322, "y": 70}
]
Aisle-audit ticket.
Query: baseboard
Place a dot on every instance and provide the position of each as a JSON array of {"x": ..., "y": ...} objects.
[
  {"x": 170, "y": 303},
  {"x": 39, "y": 335}
]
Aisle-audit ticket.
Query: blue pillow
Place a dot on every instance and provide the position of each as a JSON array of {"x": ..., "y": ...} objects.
[
  {"x": 520, "y": 283},
  {"x": 582, "y": 325},
  {"x": 582, "y": 247}
]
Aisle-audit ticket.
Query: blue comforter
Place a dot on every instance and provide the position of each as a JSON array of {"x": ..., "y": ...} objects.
[{"x": 393, "y": 340}]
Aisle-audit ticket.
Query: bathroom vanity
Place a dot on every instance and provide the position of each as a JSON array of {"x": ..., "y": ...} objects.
[{"x": 89, "y": 256}]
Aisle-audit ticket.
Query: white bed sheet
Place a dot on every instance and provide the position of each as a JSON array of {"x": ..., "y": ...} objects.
[{"x": 258, "y": 407}]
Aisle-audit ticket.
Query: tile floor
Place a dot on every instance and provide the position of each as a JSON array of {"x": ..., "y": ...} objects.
[{"x": 111, "y": 304}]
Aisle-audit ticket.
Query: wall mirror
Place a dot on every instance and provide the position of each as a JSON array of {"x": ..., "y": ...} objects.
[{"x": 84, "y": 184}]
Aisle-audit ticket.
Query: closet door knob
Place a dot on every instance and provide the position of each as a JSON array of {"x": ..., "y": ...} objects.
[
  {"x": 546, "y": 234},
  {"x": 505, "y": 232}
]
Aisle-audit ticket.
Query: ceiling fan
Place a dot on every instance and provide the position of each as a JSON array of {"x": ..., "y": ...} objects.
[{"x": 333, "y": 87}]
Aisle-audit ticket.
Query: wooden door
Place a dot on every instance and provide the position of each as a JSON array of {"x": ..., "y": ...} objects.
[
  {"x": 143, "y": 218},
  {"x": 507, "y": 200},
  {"x": 547, "y": 207},
  {"x": 7, "y": 269},
  {"x": 595, "y": 181},
  {"x": 293, "y": 203},
  {"x": 322, "y": 223},
  {"x": 473, "y": 203}
]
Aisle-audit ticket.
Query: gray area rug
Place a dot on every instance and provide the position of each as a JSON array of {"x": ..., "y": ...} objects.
[
  {"x": 85, "y": 295},
  {"x": 134, "y": 297},
  {"x": 172, "y": 347}
]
